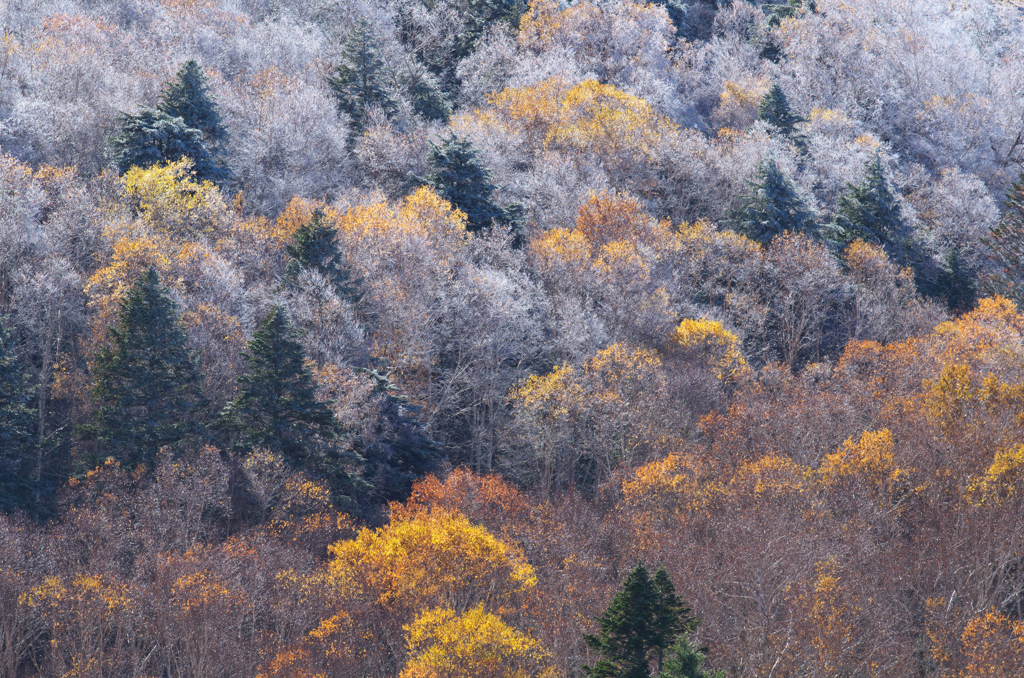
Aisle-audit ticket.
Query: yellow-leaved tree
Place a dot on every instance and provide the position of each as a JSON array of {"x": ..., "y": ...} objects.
[
  {"x": 406, "y": 255},
  {"x": 169, "y": 198},
  {"x": 377, "y": 583},
  {"x": 476, "y": 644},
  {"x": 713, "y": 345},
  {"x": 581, "y": 424},
  {"x": 993, "y": 646},
  {"x": 589, "y": 123},
  {"x": 434, "y": 559}
]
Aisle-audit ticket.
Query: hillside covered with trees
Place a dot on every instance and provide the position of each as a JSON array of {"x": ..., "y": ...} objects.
[{"x": 485, "y": 338}]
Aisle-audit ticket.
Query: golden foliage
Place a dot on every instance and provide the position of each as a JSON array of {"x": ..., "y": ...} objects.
[
  {"x": 1001, "y": 480},
  {"x": 167, "y": 198},
  {"x": 590, "y": 119},
  {"x": 435, "y": 559},
  {"x": 551, "y": 396},
  {"x": 831, "y": 613},
  {"x": 714, "y": 345},
  {"x": 85, "y": 616},
  {"x": 772, "y": 478},
  {"x": 738, "y": 103},
  {"x": 607, "y": 216},
  {"x": 405, "y": 254},
  {"x": 561, "y": 253},
  {"x": 602, "y": 415},
  {"x": 678, "y": 487},
  {"x": 421, "y": 215},
  {"x": 994, "y": 647},
  {"x": 870, "y": 459},
  {"x": 600, "y": 118},
  {"x": 443, "y": 644}
]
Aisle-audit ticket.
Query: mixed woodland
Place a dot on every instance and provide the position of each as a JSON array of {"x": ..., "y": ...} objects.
[{"x": 492, "y": 338}]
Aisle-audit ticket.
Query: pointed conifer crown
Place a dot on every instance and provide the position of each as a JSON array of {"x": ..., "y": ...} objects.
[
  {"x": 188, "y": 97},
  {"x": 147, "y": 383}
]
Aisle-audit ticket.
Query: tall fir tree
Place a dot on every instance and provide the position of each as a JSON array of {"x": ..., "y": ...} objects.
[
  {"x": 184, "y": 124},
  {"x": 401, "y": 452},
  {"x": 777, "y": 12},
  {"x": 774, "y": 109},
  {"x": 151, "y": 137},
  {"x": 870, "y": 212},
  {"x": 1005, "y": 243},
  {"x": 642, "y": 621},
  {"x": 188, "y": 97},
  {"x": 16, "y": 428},
  {"x": 315, "y": 247},
  {"x": 427, "y": 97},
  {"x": 359, "y": 82},
  {"x": 772, "y": 206},
  {"x": 957, "y": 282},
  {"x": 479, "y": 15},
  {"x": 147, "y": 387},
  {"x": 277, "y": 407},
  {"x": 460, "y": 177}
]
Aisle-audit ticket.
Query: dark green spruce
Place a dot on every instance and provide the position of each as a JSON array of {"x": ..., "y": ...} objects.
[
  {"x": 401, "y": 451},
  {"x": 1005, "y": 243},
  {"x": 277, "y": 408},
  {"x": 188, "y": 97},
  {"x": 315, "y": 247},
  {"x": 460, "y": 177},
  {"x": 772, "y": 206},
  {"x": 483, "y": 13},
  {"x": 427, "y": 97},
  {"x": 151, "y": 137},
  {"x": 16, "y": 429},
  {"x": 870, "y": 212},
  {"x": 643, "y": 620},
  {"x": 774, "y": 109},
  {"x": 147, "y": 387},
  {"x": 185, "y": 124},
  {"x": 687, "y": 661},
  {"x": 359, "y": 82}
]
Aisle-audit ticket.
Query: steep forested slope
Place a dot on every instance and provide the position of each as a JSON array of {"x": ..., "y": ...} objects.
[{"x": 386, "y": 337}]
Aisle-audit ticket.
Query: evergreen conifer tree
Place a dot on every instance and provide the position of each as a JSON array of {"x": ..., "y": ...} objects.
[
  {"x": 402, "y": 451},
  {"x": 188, "y": 97},
  {"x": 641, "y": 622},
  {"x": 957, "y": 282},
  {"x": 147, "y": 386},
  {"x": 687, "y": 661},
  {"x": 478, "y": 16},
  {"x": 871, "y": 213},
  {"x": 151, "y": 137},
  {"x": 277, "y": 407},
  {"x": 16, "y": 427},
  {"x": 427, "y": 98},
  {"x": 184, "y": 124},
  {"x": 315, "y": 247},
  {"x": 460, "y": 177},
  {"x": 359, "y": 81},
  {"x": 772, "y": 207},
  {"x": 774, "y": 109},
  {"x": 777, "y": 12},
  {"x": 1005, "y": 243}
]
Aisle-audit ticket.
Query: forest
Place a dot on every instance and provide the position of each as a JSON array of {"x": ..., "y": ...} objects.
[{"x": 508, "y": 339}]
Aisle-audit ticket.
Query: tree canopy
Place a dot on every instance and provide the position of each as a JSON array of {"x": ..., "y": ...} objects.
[{"x": 146, "y": 385}]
